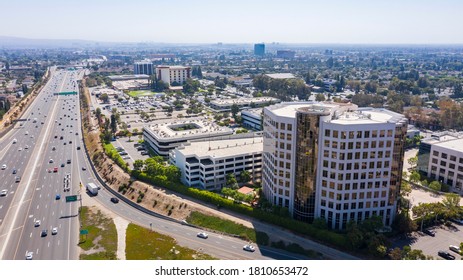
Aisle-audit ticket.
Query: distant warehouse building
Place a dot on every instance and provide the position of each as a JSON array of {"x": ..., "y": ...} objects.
[
  {"x": 206, "y": 164},
  {"x": 440, "y": 158},
  {"x": 167, "y": 136},
  {"x": 285, "y": 54}
]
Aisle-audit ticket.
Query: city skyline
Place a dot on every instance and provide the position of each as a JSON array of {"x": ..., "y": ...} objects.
[{"x": 206, "y": 21}]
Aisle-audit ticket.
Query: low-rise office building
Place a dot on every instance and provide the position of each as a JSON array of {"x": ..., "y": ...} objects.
[
  {"x": 224, "y": 105},
  {"x": 252, "y": 118},
  {"x": 206, "y": 164},
  {"x": 167, "y": 136},
  {"x": 440, "y": 158}
]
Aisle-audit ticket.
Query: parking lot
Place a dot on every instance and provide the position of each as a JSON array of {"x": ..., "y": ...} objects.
[
  {"x": 445, "y": 236},
  {"x": 132, "y": 153}
]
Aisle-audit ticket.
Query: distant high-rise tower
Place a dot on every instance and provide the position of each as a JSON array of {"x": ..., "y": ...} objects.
[
  {"x": 259, "y": 49},
  {"x": 143, "y": 67}
]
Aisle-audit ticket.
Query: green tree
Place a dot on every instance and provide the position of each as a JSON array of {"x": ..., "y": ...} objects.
[
  {"x": 113, "y": 123},
  {"x": 231, "y": 181},
  {"x": 434, "y": 185},
  {"x": 413, "y": 161},
  {"x": 245, "y": 176},
  {"x": 104, "y": 97},
  {"x": 415, "y": 177},
  {"x": 451, "y": 203},
  {"x": 138, "y": 164},
  {"x": 234, "y": 110},
  {"x": 320, "y": 97}
]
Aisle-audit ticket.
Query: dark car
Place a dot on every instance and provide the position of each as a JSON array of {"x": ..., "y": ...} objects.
[
  {"x": 78, "y": 148},
  {"x": 58, "y": 197},
  {"x": 14, "y": 171},
  {"x": 44, "y": 233},
  {"x": 446, "y": 255},
  {"x": 114, "y": 200},
  {"x": 429, "y": 232}
]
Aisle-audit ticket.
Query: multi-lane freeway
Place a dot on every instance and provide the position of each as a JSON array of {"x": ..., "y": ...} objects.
[
  {"x": 41, "y": 143},
  {"x": 46, "y": 151}
]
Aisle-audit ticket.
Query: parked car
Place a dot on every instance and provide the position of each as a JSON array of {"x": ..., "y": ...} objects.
[
  {"x": 446, "y": 255},
  {"x": 454, "y": 248},
  {"x": 202, "y": 235},
  {"x": 429, "y": 232}
]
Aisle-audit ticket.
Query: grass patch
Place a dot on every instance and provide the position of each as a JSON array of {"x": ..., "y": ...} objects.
[
  {"x": 227, "y": 226},
  {"x": 137, "y": 93},
  {"x": 101, "y": 240},
  {"x": 144, "y": 244}
]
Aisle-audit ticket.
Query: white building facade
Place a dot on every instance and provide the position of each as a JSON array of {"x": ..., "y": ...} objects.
[
  {"x": 333, "y": 161},
  {"x": 206, "y": 164},
  {"x": 171, "y": 74}
]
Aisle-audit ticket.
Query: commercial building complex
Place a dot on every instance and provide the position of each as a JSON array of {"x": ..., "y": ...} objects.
[
  {"x": 440, "y": 158},
  {"x": 173, "y": 74},
  {"x": 285, "y": 54},
  {"x": 206, "y": 164},
  {"x": 166, "y": 136},
  {"x": 333, "y": 161}
]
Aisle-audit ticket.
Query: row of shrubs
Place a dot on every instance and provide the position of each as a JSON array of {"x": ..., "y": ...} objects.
[
  {"x": 323, "y": 235},
  {"x": 114, "y": 155}
]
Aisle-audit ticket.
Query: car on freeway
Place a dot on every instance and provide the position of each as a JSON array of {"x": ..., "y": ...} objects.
[
  {"x": 114, "y": 200},
  {"x": 4, "y": 167},
  {"x": 68, "y": 161},
  {"x": 29, "y": 255},
  {"x": 50, "y": 161},
  {"x": 78, "y": 147},
  {"x": 249, "y": 248},
  {"x": 202, "y": 235},
  {"x": 55, "y": 169},
  {"x": 429, "y": 232},
  {"x": 454, "y": 248},
  {"x": 83, "y": 168},
  {"x": 3, "y": 192},
  {"x": 17, "y": 179},
  {"x": 14, "y": 171},
  {"x": 62, "y": 164},
  {"x": 20, "y": 149},
  {"x": 446, "y": 255},
  {"x": 26, "y": 147},
  {"x": 37, "y": 223},
  {"x": 44, "y": 233},
  {"x": 57, "y": 196},
  {"x": 54, "y": 231},
  {"x": 53, "y": 149}
]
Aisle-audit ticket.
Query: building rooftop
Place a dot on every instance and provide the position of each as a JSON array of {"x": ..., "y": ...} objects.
[
  {"x": 173, "y": 67},
  {"x": 289, "y": 109},
  {"x": 223, "y": 148},
  {"x": 253, "y": 111},
  {"x": 243, "y": 101},
  {"x": 366, "y": 117},
  {"x": 452, "y": 144},
  {"x": 128, "y": 77},
  {"x": 188, "y": 129},
  {"x": 281, "y": 76}
]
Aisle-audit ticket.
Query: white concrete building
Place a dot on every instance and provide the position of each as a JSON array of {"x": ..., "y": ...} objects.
[
  {"x": 333, "y": 161},
  {"x": 166, "y": 136},
  {"x": 441, "y": 158},
  {"x": 252, "y": 118},
  {"x": 171, "y": 74},
  {"x": 224, "y": 105},
  {"x": 206, "y": 164}
]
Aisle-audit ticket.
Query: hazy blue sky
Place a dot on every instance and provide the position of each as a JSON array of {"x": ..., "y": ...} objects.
[{"x": 236, "y": 21}]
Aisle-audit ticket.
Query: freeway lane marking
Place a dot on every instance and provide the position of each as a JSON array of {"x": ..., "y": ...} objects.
[
  {"x": 1, "y": 206},
  {"x": 30, "y": 236}
]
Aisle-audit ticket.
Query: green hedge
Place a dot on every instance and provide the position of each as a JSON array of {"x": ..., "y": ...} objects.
[
  {"x": 114, "y": 155},
  {"x": 326, "y": 236}
]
